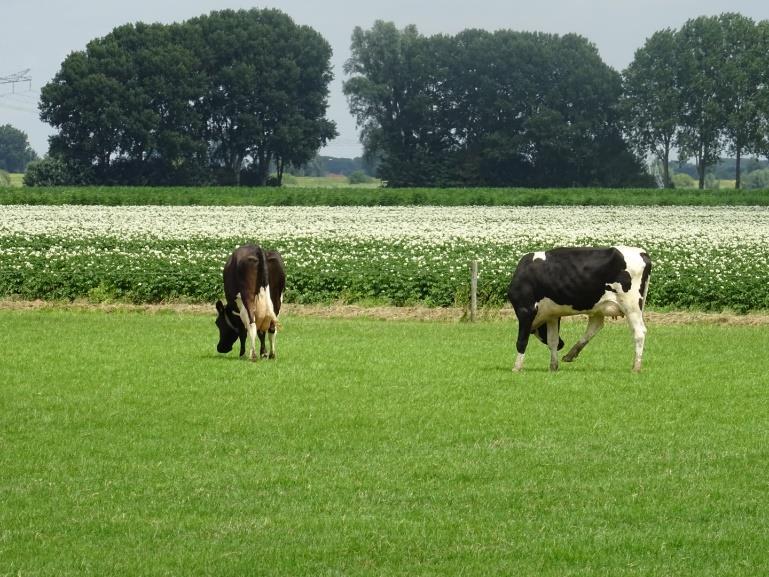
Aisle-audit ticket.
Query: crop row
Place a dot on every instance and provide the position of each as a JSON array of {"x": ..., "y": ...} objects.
[
  {"x": 349, "y": 196},
  {"x": 707, "y": 258}
]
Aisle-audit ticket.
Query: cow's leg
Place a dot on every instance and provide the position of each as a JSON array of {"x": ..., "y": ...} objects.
[
  {"x": 638, "y": 328},
  {"x": 553, "y": 338},
  {"x": 594, "y": 324},
  {"x": 262, "y": 347},
  {"x": 248, "y": 321},
  {"x": 525, "y": 319},
  {"x": 272, "y": 334}
]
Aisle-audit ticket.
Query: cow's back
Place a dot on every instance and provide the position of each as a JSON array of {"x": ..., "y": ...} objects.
[{"x": 244, "y": 269}]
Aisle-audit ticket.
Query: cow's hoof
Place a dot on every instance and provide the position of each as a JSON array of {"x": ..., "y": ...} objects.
[
  {"x": 264, "y": 356},
  {"x": 272, "y": 356}
]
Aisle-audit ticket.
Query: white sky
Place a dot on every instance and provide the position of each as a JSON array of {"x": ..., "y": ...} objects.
[{"x": 39, "y": 34}]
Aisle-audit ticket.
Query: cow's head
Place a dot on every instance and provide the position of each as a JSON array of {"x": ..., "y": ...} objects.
[{"x": 230, "y": 328}]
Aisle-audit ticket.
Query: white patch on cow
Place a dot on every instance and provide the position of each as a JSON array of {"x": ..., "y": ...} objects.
[
  {"x": 519, "y": 361},
  {"x": 250, "y": 327},
  {"x": 549, "y": 309},
  {"x": 264, "y": 311},
  {"x": 540, "y": 255}
]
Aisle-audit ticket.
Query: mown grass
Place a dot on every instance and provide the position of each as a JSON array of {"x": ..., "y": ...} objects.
[
  {"x": 129, "y": 447},
  {"x": 367, "y": 196}
]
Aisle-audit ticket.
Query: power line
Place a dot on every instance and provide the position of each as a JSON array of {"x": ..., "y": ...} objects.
[{"x": 16, "y": 78}]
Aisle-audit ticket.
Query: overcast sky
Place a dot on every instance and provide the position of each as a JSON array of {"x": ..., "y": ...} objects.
[{"x": 39, "y": 34}]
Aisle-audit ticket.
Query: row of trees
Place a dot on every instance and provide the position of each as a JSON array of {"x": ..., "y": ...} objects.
[
  {"x": 230, "y": 96},
  {"x": 195, "y": 102},
  {"x": 488, "y": 109},
  {"x": 528, "y": 109},
  {"x": 702, "y": 89}
]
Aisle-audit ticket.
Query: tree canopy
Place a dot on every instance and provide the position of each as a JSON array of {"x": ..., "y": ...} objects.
[
  {"x": 15, "y": 151},
  {"x": 193, "y": 102}
]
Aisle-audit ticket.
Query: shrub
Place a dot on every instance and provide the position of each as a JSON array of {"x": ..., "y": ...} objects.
[
  {"x": 51, "y": 171},
  {"x": 682, "y": 180},
  {"x": 757, "y": 179},
  {"x": 359, "y": 177}
]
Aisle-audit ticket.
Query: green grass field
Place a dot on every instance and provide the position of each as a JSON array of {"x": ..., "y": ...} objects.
[{"x": 129, "y": 447}]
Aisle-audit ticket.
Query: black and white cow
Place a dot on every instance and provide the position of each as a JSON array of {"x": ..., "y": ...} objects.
[
  {"x": 598, "y": 282},
  {"x": 254, "y": 281}
]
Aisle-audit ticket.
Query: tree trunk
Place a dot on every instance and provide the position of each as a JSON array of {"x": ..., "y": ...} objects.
[
  {"x": 666, "y": 182},
  {"x": 737, "y": 170},
  {"x": 279, "y": 164},
  {"x": 701, "y": 167}
]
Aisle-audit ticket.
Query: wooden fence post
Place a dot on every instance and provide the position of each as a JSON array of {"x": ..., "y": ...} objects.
[{"x": 473, "y": 290}]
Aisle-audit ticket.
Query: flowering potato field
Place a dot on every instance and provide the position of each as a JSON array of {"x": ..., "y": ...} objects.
[{"x": 704, "y": 257}]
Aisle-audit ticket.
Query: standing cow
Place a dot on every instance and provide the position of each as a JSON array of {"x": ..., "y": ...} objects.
[
  {"x": 254, "y": 281},
  {"x": 565, "y": 281}
]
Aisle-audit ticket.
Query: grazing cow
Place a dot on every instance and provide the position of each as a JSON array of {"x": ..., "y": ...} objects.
[
  {"x": 598, "y": 282},
  {"x": 254, "y": 280}
]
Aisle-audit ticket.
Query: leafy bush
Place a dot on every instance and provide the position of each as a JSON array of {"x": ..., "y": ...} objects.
[
  {"x": 756, "y": 179},
  {"x": 359, "y": 177},
  {"x": 51, "y": 171},
  {"x": 683, "y": 180}
]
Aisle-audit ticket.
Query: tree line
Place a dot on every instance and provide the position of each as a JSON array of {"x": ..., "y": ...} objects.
[
  {"x": 234, "y": 96},
  {"x": 530, "y": 109},
  {"x": 703, "y": 89}
]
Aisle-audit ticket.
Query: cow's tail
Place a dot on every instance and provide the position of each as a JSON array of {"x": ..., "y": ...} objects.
[{"x": 263, "y": 281}]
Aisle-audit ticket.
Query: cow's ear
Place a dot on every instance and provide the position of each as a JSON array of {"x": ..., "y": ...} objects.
[{"x": 219, "y": 306}]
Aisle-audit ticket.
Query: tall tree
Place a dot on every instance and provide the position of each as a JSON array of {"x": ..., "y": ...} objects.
[
  {"x": 741, "y": 70},
  {"x": 702, "y": 119},
  {"x": 652, "y": 99},
  {"x": 390, "y": 95},
  {"x": 15, "y": 151},
  {"x": 268, "y": 80}
]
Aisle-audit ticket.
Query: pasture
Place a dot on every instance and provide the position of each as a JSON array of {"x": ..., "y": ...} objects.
[{"x": 129, "y": 447}]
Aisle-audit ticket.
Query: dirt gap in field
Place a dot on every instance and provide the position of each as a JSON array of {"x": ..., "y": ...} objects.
[{"x": 388, "y": 313}]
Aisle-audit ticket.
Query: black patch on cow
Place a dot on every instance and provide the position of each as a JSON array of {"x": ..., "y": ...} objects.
[
  {"x": 646, "y": 273},
  {"x": 574, "y": 276},
  {"x": 609, "y": 288}
]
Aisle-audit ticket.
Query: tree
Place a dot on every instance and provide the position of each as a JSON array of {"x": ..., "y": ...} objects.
[
  {"x": 743, "y": 65},
  {"x": 391, "y": 96},
  {"x": 652, "y": 99},
  {"x": 702, "y": 119},
  {"x": 126, "y": 106},
  {"x": 267, "y": 89},
  {"x": 15, "y": 151}
]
